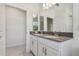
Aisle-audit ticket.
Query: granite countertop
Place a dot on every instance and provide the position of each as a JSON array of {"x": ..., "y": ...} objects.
[{"x": 53, "y": 37}]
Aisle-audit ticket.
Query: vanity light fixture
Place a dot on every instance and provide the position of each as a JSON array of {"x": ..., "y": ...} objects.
[
  {"x": 49, "y": 5},
  {"x": 34, "y": 15}
]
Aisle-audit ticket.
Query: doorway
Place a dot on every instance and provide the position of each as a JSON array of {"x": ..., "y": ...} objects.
[{"x": 15, "y": 31}]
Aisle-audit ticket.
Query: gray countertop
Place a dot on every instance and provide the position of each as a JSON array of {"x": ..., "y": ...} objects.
[{"x": 53, "y": 37}]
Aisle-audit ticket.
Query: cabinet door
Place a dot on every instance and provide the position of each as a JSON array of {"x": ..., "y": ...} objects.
[
  {"x": 51, "y": 51},
  {"x": 41, "y": 49},
  {"x": 34, "y": 47}
]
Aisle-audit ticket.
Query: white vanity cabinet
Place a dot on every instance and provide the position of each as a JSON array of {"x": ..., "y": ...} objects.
[
  {"x": 51, "y": 52},
  {"x": 34, "y": 45},
  {"x": 46, "y": 51},
  {"x": 41, "y": 49},
  {"x": 46, "y": 47}
]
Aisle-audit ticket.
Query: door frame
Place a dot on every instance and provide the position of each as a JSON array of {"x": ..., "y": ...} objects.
[{"x": 6, "y": 24}]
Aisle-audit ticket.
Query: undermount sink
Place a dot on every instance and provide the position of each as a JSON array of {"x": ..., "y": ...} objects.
[
  {"x": 56, "y": 37},
  {"x": 50, "y": 36}
]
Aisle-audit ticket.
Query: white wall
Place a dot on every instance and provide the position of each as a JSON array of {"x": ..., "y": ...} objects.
[{"x": 75, "y": 43}]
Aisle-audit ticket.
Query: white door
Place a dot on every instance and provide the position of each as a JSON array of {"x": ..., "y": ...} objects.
[
  {"x": 2, "y": 30},
  {"x": 15, "y": 26}
]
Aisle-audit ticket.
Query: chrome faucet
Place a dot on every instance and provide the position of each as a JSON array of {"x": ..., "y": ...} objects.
[
  {"x": 41, "y": 32},
  {"x": 55, "y": 33}
]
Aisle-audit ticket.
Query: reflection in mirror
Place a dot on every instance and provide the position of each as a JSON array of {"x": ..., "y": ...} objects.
[
  {"x": 41, "y": 23},
  {"x": 49, "y": 24},
  {"x": 35, "y": 23},
  {"x": 63, "y": 21}
]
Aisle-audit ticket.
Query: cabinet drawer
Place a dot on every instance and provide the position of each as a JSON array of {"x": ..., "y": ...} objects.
[
  {"x": 41, "y": 40},
  {"x": 33, "y": 37},
  {"x": 52, "y": 44}
]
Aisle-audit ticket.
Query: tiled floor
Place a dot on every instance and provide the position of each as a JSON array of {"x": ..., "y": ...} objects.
[{"x": 17, "y": 51}]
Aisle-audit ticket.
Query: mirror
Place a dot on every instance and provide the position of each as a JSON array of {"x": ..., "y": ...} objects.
[
  {"x": 41, "y": 23},
  {"x": 63, "y": 18},
  {"x": 49, "y": 24},
  {"x": 35, "y": 23},
  {"x": 57, "y": 18}
]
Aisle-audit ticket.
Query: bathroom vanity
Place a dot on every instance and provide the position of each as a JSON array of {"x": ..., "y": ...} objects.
[
  {"x": 58, "y": 19},
  {"x": 50, "y": 45}
]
